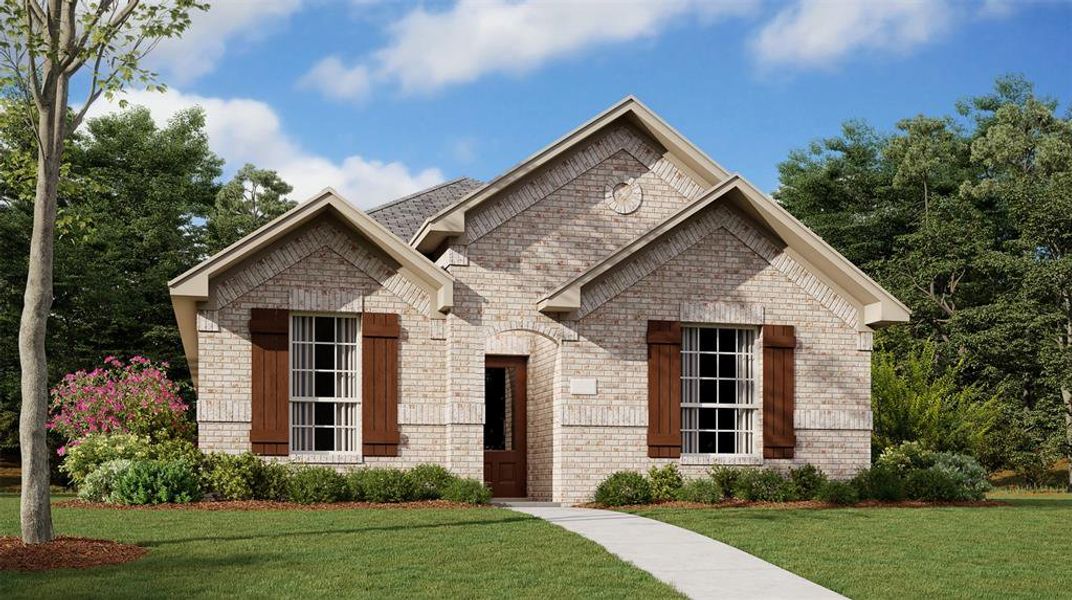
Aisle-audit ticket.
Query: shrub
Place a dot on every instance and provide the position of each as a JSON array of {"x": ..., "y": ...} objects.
[
  {"x": 83, "y": 458},
  {"x": 704, "y": 490},
  {"x": 805, "y": 481},
  {"x": 233, "y": 476},
  {"x": 665, "y": 482},
  {"x": 837, "y": 492},
  {"x": 762, "y": 485},
  {"x": 880, "y": 482},
  {"x": 355, "y": 484},
  {"x": 916, "y": 396},
  {"x": 136, "y": 397},
  {"x": 382, "y": 485},
  {"x": 272, "y": 482},
  {"x": 470, "y": 491},
  {"x": 905, "y": 457},
  {"x": 933, "y": 485},
  {"x": 726, "y": 478},
  {"x": 970, "y": 476},
  {"x": 177, "y": 449},
  {"x": 622, "y": 488},
  {"x": 99, "y": 485},
  {"x": 429, "y": 481},
  {"x": 310, "y": 485},
  {"x": 157, "y": 482},
  {"x": 244, "y": 477}
]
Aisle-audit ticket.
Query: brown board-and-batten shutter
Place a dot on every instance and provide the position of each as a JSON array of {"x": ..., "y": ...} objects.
[
  {"x": 664, "y": 389},
  {"x": 379, "y": 384},
  {"x": 779, "y": 436},
  {"x": 270, "y": 428}
]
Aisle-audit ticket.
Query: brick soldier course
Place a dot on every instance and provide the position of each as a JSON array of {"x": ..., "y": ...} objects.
[{"x": 566, "y": 260}]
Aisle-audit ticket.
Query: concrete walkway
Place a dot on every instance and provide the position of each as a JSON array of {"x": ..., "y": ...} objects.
[{"x": 695, "y": 565}]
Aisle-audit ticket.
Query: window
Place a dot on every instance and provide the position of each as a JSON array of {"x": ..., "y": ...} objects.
[
  {"x": 324, "y": 409},
  {"x": 718, "y": 390}
]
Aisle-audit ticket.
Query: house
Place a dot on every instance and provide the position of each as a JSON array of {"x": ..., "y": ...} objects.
[{"x": 615, "y": 301}]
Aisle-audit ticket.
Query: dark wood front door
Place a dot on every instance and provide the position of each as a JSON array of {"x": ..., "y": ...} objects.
[{"x": 505, "y": 425}]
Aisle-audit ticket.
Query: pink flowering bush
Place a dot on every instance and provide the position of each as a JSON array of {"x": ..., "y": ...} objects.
[{"x": 136, "y": 398}]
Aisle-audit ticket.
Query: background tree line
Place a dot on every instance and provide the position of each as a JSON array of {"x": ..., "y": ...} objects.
[
  {"x": 968, "y": 220},
  {"x": 138, "y": 205}
]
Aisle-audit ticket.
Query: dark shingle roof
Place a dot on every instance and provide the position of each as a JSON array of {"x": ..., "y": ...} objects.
[{"x": 406, "y": 215}]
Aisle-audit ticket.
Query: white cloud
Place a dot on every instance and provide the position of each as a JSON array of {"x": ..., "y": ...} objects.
[
  {"x": 242, "y": 130},
  {"x": 996, "y": 9},
  {"x": 429, "y": 50},
  {"x": 335, "y": 80},
  {"x": 819, "y": 33},
  {"x": 203, "y": 44}
]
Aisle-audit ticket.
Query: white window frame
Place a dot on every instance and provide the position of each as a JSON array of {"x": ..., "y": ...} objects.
[
  {"x": 347, "y": 421},
  {"x": 747, "y": 417}
]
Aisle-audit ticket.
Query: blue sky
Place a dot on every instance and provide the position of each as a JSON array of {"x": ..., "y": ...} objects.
[{"x": 381, "y": 99}]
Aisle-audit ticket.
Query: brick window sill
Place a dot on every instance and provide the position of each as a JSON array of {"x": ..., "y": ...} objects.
[
  {"x": 740, "y": 460},
  {"x": 326, "y": 459}
]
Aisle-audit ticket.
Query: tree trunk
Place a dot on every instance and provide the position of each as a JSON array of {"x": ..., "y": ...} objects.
[
  {"x": 1066, "y": 395},
  {"x": 36, "y": 510}
]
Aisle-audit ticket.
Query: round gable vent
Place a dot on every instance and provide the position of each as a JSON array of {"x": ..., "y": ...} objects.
[{"x": 624, "y": 195}]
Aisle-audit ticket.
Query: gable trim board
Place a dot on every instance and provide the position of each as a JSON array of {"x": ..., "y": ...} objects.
[
  {"x": 193, "y": 286},
  {"x": 877, "y": 306},
  {"x": 683, "y": 153}
]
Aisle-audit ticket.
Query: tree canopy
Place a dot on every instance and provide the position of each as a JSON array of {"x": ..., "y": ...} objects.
[
  {"x": 967, "y": 219},
  {"x": 136, "y": 207}
]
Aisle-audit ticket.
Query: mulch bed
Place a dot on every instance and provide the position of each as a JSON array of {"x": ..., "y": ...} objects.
[
  {"x": 812, "y": 504},
  {"x": 248, "y": 505},
  {"x": 64, "y": 553}
]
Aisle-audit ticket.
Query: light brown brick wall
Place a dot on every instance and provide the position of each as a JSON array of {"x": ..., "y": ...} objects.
[
  {"x": 224, "y": 371},
  {"x": 519, "y": 245},
  {"x": 541, "y": 374},
  {"x": 831, "y": 374}
]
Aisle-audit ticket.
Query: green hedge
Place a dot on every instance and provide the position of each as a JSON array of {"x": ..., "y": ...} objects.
[
  {"x": 905, "y": 471},
  {"x": 157, "y": 482},
  {"x": 622, "y": 488},
  {"x": 176, "y": 471},
  {"x": 314, "y": 485}
]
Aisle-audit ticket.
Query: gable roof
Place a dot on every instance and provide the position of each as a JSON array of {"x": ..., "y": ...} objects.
[
  {"x": 405, "y": 215},
  {"x": 879, "y": 307},
  {"x": 193, "y": 286},
  {"x": 451, "y": 220}
]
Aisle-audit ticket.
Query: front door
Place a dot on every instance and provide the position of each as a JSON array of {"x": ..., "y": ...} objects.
[{"x": 504, "y": 425}]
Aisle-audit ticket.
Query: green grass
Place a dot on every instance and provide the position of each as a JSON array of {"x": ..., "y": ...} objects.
[
  {"x": 371, "y": 553},
  {"x": 1019, "y": 551}
]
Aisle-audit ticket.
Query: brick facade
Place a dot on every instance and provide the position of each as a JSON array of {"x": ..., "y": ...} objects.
[{"x": 719, "y": 267}]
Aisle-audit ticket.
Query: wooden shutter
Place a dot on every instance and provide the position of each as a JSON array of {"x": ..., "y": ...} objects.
[
  {"x": 270, "y": 430},
  {"x": 379, "y": 384},
  {"x": 664, "y": 389},
  {"x": 779, "y": 436}
]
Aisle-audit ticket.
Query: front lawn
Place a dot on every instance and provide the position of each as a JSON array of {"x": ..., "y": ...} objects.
[
  {"x": 1019, "y": 551},
  {"x": 369, "y": 553}
]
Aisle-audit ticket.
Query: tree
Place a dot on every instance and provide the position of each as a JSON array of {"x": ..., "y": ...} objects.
[
  {"x": 43, "y": 45},
  {"x": 969, "y": 222},
  {"x": 251, "y": 199},
  {"x": 916, "y": 400},
  {"x": 130, "y": 216},
  {"x": 145, "y": 191},
  {"x": 842, "y": 187},
  {"x": 1026, "y": 152}
]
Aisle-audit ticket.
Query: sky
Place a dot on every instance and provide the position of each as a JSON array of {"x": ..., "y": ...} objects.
[{"x": 381, "y": 99}]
